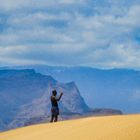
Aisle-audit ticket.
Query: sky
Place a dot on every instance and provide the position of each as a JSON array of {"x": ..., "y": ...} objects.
[{"x": 96, "y": 33}]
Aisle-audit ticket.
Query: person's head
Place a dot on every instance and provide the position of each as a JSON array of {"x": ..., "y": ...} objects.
[{"x": 54, "y": 92}]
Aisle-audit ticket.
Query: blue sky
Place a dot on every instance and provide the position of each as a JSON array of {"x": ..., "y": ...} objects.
[{"x": 96, "y": 33}]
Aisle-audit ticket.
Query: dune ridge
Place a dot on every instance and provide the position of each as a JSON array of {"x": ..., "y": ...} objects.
[{"x": 120, "y": 127}]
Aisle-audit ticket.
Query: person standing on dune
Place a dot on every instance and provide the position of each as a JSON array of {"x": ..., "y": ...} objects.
[{"x": 55, "y": 108}]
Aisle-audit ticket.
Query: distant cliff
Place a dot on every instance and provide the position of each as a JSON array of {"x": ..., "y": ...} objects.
[
  {"x": 25, "y": 96},
  {"x": 39, "y": 109},
  {"x": 112, "y": 88},
  {"x": 25, "y": 99}
]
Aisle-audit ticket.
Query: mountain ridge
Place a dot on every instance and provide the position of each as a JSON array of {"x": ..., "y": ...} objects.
[
  {"x": 27, "y": 95},
  {"x": 109, "y": 88}
]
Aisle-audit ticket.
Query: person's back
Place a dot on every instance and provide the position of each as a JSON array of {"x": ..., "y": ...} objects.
[
  {"x": 54, "y": 101},
  {"x": 55, "y": 109}
]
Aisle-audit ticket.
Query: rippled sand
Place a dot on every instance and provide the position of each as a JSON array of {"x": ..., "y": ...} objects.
[{"x": 125, "y": 127}]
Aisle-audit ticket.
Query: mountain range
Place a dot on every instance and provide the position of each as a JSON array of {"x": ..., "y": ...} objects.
[
  {"x": 101, "y": 88},
  {"x": 25, "y": 96},
  {"x": 25, "y": 99}
]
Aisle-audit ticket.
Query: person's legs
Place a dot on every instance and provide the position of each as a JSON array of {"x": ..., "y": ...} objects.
[
  {"x": 52, "y": 118},
  {"x": 55, "y": 113},
  {"x": 56, "y": 117}
]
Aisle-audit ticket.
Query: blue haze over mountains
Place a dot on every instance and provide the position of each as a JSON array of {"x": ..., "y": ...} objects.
[
  {"x": 114, "y": 88},
  {"x": 25, "y": 93},
  {"x": 25, "y": 98}
]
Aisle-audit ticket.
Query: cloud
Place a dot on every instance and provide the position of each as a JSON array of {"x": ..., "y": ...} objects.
[
  {"x": 9, "y": 5},
  {"x": 102, "y": 34}
]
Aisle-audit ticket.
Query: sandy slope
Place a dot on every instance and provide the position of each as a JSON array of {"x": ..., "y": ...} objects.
[{"x": 93, "y": 128}]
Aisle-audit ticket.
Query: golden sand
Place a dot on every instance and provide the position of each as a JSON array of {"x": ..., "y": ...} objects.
[{"x": 125, "y": 127}]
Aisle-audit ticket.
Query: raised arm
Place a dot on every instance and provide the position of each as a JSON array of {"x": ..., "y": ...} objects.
[{"x": 59, "y": 96}]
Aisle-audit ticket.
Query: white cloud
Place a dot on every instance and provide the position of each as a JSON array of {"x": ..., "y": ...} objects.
[
  {"x": 106, "y": 39},
  {"x": 8, "y": 5}
]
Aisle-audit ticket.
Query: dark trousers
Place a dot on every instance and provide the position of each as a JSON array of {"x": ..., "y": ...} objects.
[
  {"x": 55, "y": 113},
  {"x": 54, "y": 118}
]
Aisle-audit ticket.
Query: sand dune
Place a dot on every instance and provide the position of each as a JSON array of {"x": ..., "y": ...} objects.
[{"x": 125, "y": 127}]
